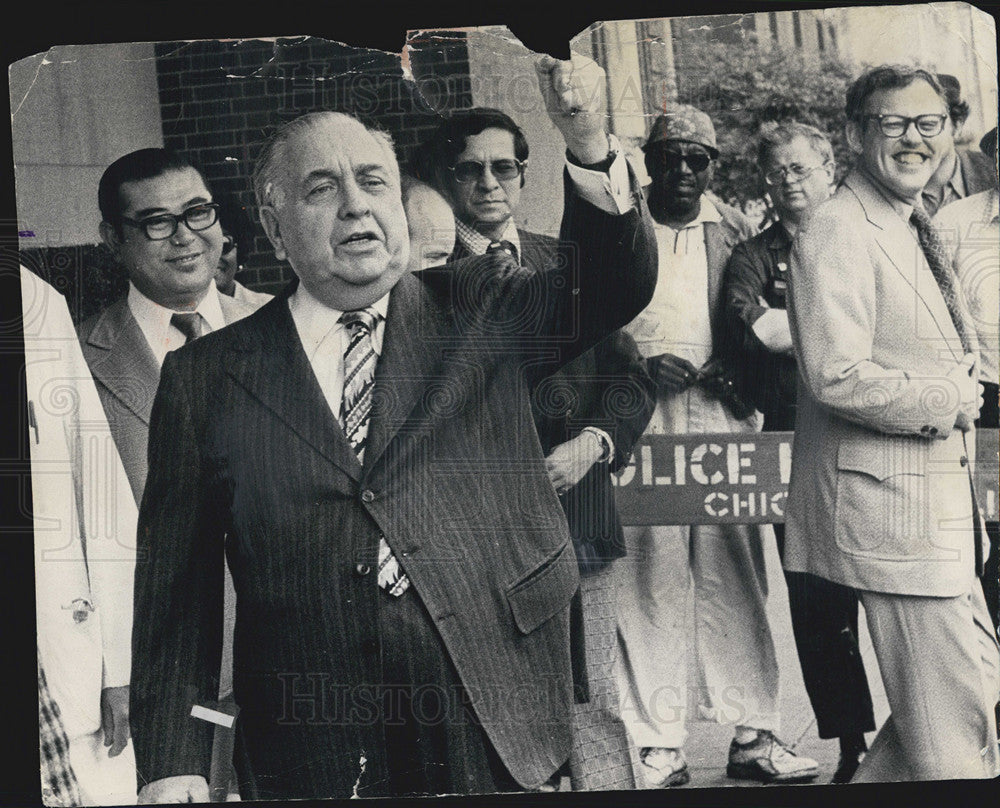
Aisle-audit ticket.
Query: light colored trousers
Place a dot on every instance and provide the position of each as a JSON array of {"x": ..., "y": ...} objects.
[
  {"x": 940, "y": 666},
  {"x": 703, "y": 586},
  {"x": 601, "y": 757}
]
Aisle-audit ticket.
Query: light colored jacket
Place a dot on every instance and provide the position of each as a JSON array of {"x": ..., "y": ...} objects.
[{"x": 879, "y": 497}]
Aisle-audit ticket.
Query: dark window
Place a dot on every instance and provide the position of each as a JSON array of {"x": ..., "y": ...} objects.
[
  {"x": 772, "y": 19},
  {"x": 797, "y": 29},
  {"x": 819, "y": 36}
]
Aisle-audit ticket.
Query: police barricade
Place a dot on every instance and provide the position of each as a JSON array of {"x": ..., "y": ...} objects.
[{"x": 737, "y": 477}]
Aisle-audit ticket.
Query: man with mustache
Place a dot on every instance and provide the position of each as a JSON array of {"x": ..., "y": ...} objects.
[
  {"x": 881, "y": 496},
  {"x": 682, "y": 335}
]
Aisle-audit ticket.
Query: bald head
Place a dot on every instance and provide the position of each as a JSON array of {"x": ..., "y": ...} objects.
[{"x": 431, "y": 224}]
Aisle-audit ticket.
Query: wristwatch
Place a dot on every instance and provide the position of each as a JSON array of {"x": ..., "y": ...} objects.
[{"x": 602, "y": 439}]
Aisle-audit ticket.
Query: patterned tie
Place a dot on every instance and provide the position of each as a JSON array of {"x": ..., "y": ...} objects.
[
  {"x": 937, "y": 260},
  {"x": 502, "y": 247},
  {"x": 355, "y": 413},
  {"x": 189, "y": 323}
]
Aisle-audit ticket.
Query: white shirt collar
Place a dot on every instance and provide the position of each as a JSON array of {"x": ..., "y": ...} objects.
[
  {"x": 315, "y": 321},
  {"x": 476, "y": 243},
  {"x": 154, "y": 319}
]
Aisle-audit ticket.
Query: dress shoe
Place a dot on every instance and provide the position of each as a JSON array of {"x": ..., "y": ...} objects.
[
  {"x": 768, "y": 760},
  {"x": 847, "y": 765},
  {"x": 664, "y": 768}
]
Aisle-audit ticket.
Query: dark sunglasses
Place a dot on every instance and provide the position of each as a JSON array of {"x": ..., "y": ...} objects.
[
  {"x": 472, "y": 170},
  {"x": 696, "y": 161}
]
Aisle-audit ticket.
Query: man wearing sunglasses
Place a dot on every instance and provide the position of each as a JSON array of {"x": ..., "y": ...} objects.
[
  {"x": 880, "y": 497},
  {"x": 162, "y": 225},
  {"x": 681, "y": 334},
  {"x": 479, "y": 158},
  {"x": 797, "y": 165}
]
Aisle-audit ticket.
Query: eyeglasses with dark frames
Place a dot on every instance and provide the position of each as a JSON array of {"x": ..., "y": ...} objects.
[
  {"x": 164, "y": 225},
  {"x": 894, "y": 126},
  {"x": 794, "y": 173},
  {"x": 503, "y": 169}
]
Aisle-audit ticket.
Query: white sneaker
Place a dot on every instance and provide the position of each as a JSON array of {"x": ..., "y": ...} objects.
[
  {"x": 663, "y": 768},
  {"x": 768, "y": 760}
]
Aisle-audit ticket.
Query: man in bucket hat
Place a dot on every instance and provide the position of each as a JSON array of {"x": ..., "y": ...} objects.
[{"x": 680, "y": 335}]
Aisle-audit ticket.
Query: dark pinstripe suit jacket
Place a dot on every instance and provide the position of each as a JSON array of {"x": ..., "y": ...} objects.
[
  {"x": 607, "y": 387},
  {"x": 242, "y": 443}
]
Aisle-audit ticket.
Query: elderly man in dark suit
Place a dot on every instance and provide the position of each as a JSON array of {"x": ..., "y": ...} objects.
[
  {"x": 588, "y": 415},
  {"x": 364, "y": 443},
  {"x": 880, "y": 497}
]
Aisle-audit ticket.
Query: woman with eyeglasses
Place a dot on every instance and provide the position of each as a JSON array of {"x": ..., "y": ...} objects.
[{"x": 238, "y": 237}]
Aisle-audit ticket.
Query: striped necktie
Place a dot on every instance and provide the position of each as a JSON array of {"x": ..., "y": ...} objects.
[{"x": 355, "y": 413}]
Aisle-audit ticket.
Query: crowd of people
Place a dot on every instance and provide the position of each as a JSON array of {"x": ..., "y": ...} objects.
[{"x": 376, "y": 548}]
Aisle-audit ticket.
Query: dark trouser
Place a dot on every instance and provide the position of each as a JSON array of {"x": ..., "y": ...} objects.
[
  {"x": 434, "y": 743},
  {"x": 989, "y": 418},
  {"x": 825, "y": 624}
]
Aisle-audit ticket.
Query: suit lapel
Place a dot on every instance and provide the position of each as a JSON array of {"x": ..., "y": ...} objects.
[
  {"x": 410, "y": 356},
  {"x": 123, "y": 359},
  {"x": 272, "y": 366},
  {"x": 900, "y": 245}
]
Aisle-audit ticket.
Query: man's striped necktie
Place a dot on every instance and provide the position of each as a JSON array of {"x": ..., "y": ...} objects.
[{"x": 355, "y": 413}]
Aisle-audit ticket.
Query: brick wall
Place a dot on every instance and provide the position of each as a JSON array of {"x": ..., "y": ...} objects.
[{"x": 219, "y": 101}]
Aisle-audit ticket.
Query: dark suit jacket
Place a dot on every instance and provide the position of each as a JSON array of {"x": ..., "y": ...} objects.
[
  {"x": 758, "y": 267},
  {"x": 607, "y": 387},
  {"x": 127, "y": 374},
  {"x": 978, "y": 171},
  {"x": 243, "y": 445}
]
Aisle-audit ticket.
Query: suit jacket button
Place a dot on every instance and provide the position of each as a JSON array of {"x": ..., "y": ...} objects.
[
  {"x": 367, "y": 495},
  {"x": 362, "y": 569},
  {"x": 963, "y": 460}
]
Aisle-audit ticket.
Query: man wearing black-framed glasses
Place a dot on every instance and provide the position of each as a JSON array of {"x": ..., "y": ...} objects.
[
  {"x": 162, "y": 225},
  {"x": 880, "y": 497}
]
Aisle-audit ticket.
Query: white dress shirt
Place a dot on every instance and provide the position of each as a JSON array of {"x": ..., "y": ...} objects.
[
  {"x": 154, "y": 320},
  {"x": 325, "y": 339}
]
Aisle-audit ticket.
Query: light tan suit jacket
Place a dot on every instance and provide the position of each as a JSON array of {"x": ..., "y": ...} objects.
[{"x": 879, "y": 496}]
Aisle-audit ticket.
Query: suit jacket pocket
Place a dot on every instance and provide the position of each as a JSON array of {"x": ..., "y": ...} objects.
[
  {"x": 544, "y": 591},
  {"x": 882, "y": 497}
]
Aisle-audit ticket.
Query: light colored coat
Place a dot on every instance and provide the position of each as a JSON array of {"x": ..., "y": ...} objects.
[
  {"x": 879, "y": 496},
  {"x": 127, "y": 375},
  {"x": 84, "y": 520}
]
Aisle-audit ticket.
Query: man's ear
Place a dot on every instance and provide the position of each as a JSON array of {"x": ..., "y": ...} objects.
[
  {"x": 855, "y": 136},
  {"x": 110, "y": 237},
  {"x": 269, "y": 220}
]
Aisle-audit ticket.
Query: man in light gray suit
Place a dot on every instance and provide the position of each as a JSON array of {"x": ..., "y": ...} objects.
[
  {"x": 880, "y": 496},
  {"x": 160, "y": 222}
]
